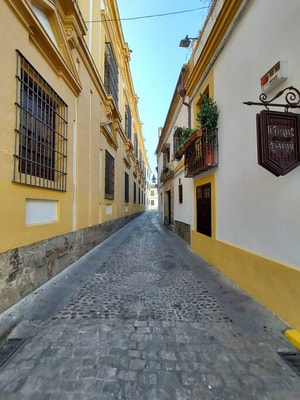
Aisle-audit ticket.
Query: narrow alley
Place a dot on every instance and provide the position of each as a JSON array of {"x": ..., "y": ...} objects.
[{"x": 141, "y": 317}]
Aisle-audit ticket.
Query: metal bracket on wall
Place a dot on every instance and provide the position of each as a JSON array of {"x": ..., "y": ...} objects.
[{"x": 292, "y": 98}]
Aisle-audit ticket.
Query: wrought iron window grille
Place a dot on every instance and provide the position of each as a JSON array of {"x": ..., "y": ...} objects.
[
  {"x": 111, "y": 74},
  {"x": 109, "y": 176},
  {"x": 40, "y": 156},
  {"x": 128, "y": 122}
]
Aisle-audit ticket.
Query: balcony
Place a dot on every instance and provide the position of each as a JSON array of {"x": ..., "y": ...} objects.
[
  {"x": 202, "y": 154},
  {"x": 167, "y": 172},
  {"x": 200, "y": 151}
]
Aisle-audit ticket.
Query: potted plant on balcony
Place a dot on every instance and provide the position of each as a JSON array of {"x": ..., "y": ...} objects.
[
  {"x": 208, "y": 119},
  {"x": 187, "y": 136}
]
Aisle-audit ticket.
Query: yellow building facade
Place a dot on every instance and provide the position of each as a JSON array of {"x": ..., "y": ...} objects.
[{"x": 73, "y": 162}]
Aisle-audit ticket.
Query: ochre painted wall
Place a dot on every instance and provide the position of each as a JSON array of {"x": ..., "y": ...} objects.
[{"x": 273, "y": 284}]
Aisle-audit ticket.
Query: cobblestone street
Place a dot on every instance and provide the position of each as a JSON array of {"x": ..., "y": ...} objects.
[{"x": 150, "y": 321}]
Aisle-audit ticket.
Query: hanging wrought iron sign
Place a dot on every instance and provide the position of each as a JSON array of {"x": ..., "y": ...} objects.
[
  {"x": 278, "y": 145},
  {"x": 278, "y": 141}
]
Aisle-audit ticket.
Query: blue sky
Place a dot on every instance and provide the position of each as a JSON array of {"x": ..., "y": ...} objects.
[{"x": 156, "y": 57}]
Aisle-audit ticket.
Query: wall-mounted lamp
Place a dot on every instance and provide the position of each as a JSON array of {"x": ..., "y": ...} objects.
[{"x": 186, "y": 41}]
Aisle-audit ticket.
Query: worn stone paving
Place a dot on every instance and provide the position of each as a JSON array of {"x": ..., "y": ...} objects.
[
  {"x": 144, "y": 281},
  {"x": 134, "y": 293},
  {"x": 145, "y": 327}
]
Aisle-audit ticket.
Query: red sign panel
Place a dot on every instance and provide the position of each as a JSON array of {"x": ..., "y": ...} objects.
[{"x": 278, "y": 142}]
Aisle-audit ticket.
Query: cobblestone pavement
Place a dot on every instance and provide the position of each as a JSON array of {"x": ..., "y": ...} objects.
[{"x": 150, "y": 324}]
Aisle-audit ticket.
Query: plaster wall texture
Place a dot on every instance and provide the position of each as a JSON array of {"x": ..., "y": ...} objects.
[
  {"x": 256, "y": 210},
  {"x": 184, "y": 212}
]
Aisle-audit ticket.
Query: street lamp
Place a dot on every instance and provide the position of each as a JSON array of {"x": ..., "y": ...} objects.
[{"x": 186, "y": 41}]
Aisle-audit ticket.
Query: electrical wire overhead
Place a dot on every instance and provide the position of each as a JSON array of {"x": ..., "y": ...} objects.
[{"x": 148, "y": 16}]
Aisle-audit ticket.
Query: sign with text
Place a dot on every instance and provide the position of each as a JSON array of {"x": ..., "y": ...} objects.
[{"x": 278, "y": 142}]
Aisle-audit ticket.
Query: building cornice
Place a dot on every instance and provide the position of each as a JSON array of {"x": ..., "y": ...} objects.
[
  {"x": 61, "y": 63},
  {"x": 220, "y": 27}
]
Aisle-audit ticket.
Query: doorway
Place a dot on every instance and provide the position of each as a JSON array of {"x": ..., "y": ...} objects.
[
  {"x": 168, "y": 208},
  {"x": 203, "y": 199}
]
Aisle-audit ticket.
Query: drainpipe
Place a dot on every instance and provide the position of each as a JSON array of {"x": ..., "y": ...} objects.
[{"x": 188, "y": 105}]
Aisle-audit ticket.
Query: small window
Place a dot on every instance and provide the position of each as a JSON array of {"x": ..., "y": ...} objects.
[
  {"x": 126, "y": 188},
  {"x": 109, "y": 176},
  {"x": 40, "y": 157},
  {"x": 180, "y": 194}
]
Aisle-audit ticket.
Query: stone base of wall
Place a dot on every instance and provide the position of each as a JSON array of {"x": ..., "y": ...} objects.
[
  {"x": 24, "y": 269},
  {"x": 183, "y": 230}
]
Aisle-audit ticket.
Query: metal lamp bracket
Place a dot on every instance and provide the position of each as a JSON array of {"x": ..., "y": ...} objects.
[{"x": 278, "y": 132}]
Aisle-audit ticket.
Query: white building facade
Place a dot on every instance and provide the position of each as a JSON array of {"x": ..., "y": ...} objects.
[{"x": 254, "y": 214}]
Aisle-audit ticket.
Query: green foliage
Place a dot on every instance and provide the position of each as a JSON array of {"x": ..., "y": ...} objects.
[
  {"x": 186, "y": 133},
  {"x": 209, "y": 113}
]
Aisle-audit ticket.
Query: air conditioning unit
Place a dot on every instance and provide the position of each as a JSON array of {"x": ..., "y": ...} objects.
[{"x": 274, "y": 77}]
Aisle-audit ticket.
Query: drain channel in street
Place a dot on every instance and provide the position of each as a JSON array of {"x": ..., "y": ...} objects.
[
  {"x": 8, "y": 348},
  {"x": 292, "y": 359}
]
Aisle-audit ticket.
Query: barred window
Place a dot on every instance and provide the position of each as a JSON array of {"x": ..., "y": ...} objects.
[
  {"x": 40, "y": 157},
  {"x": 111, "y": 75},
  {"x": 126, "y": 188},
  {"x": 136, "y": 146},
  {"x": 128, "y": 122},
  {"x": 177, "y": 139},
  {"x": 134, "y": 192},
  {"x": 109, "y": 176}
]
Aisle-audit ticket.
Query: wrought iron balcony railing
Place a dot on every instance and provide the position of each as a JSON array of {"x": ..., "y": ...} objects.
[
  {"x": 167, "y": 172},
  {"x": 202, "y": 153}
]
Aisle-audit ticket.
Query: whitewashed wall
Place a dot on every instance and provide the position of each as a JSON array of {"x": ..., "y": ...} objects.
[
  {"x": 183, "y": 212},
  {"x": 256, "y": 210}
]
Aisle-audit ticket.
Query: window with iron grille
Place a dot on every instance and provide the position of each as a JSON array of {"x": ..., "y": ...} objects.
[
  {"x": 126, "y": 188},
  {"x": 136, "y": 146},
  {"x": 111, "y": 75},
  {"x": 109, "y": 176},
  {"x": 40, "y": 157},
  {"x": 134, "y": 193},
  {"x": 166, "y": 154},
  {"x": 176, "y": 139},
  {"x": 128, "y": 123}
]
